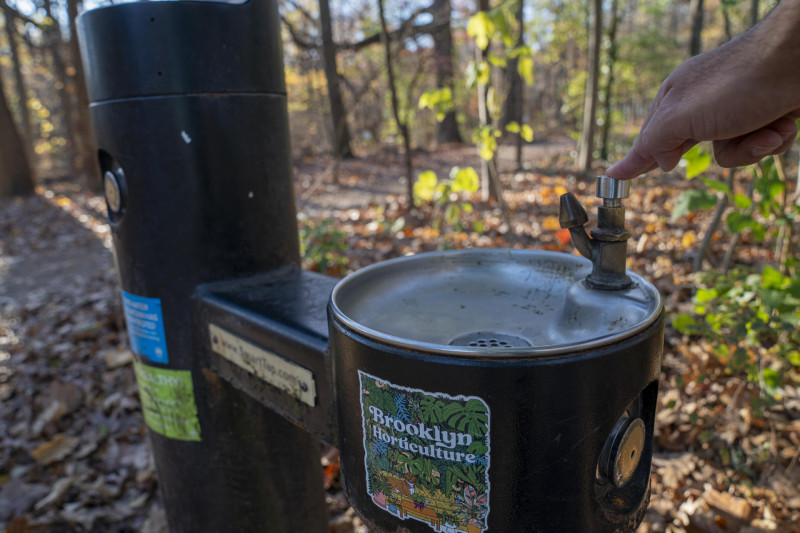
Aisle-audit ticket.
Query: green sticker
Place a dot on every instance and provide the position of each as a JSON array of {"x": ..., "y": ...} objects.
[{"x": 168, "y": 402}]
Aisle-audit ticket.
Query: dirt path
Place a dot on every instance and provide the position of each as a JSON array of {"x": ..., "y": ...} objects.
[{"x": 323, "y": 186}]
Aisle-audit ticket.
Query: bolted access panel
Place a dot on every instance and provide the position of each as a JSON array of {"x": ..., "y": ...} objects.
[{"x": 189, "y": 110}]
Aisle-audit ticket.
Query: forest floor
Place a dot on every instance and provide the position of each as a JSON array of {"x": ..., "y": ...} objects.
[{"x": 74, "y": 452}]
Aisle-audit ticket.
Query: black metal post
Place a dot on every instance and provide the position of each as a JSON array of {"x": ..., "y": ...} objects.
[{"x": 188, "y": 105}]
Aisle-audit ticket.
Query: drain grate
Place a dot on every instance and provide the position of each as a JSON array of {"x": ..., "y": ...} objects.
[{"x": 490, "y": 339}]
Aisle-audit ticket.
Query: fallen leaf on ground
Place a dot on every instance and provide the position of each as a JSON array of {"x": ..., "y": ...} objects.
[{"x": 55, "y": 449}]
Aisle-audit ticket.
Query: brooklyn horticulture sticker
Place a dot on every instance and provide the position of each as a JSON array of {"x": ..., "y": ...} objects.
[{"x": 426, "y": 455}]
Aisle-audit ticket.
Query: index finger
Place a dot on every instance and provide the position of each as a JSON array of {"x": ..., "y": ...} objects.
[{"x": 635, "y": 162}]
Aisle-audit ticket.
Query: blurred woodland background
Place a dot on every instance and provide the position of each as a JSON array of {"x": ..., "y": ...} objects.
[{"x": 416, "y": 125}]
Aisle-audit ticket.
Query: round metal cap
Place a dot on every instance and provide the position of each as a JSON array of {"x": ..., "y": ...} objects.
[
  {"x": 612, "y": 189},
  {"x": 628, "y": 453},
  {"x": 491, "y": 302},
  {"x": 112, "y": 191}
]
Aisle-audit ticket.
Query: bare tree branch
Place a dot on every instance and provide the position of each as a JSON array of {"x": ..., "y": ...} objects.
[
  {"x": 301, "y": 41},
  {"x": 406, "y": 29},
  {"x": 24, "y": 18}
]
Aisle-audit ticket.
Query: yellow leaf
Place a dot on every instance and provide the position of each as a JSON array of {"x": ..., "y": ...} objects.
[
  {"x": 527, "y": 133},
  {"x": 480, "y": 27},
  {"x": 688, "y": 239},
  {"x": 55, "y": 450},
  {"x": 466, "y": 179},
  {"x": 425, "y": 186},
  {"x": 551, "y": 223},
  {"x": 560, "y": 190},
  {"x": 525, "y": 69}
]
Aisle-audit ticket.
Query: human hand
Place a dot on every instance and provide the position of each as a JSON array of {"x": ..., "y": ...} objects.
[{"x": 744, "y": 96}]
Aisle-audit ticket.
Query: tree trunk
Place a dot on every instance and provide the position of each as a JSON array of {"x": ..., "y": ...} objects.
[
  {"x": 612, "y": 61},
  {"x": 512, "y": 111},
  {"x": 86, "y": 161},
  {"x": 726, "y": 18},
  {"x": 22, "y": 90},
  {"x": 696, "y": 41},
  {"x": 447, "y": 129},
  {"x": 401, "y": 125},
  {"x": 15, "y": 173},
  {"x": 54, "y": 43},
  {"x": 754, "y": 12},
  {"x": 590, "y": 100},
  {"x": 490, "y": 181},
  {"x": 341, "y": 132}
]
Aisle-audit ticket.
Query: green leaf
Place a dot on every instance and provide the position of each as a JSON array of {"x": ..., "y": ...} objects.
[
  {"x": 739, "y": 359},
  {"x": 486, "y": 152},
  {"x": 498, "y": 61},
  {"x": 436, "y": 99},
  {"x": 469, "y": 418},
  {"x": 483, "y": 73},
  {"x": 425, "y": 186},
  {"x": 501, "y": 26},
  {"x": 477, "y": 73},
  {"x": 772, "y": 379},
  {"x": 512, "y": 127},
  {"x": 527, "y": 133},
  {"x": 477, "y": 447},
  {"x": 741, "y": 201},
  {"x": 794, "y": 358},
  {"x": 467, "y": 180},
  {"x": 772, "y": 278},
  {"x": 774, "y": 299},
  {"x": 738, "y": 222},
  {"x": 775, "y": 189},
  {"x": 705, "y": 295},
  {"x": 693, "y": 200},
  {"x": 425, "y": 100},
  {"x": 525, "y": 69},
  {"x": 451, "y": 213},
  {"x": 521, "y": 51},
  {"x": 494, "y": 104},
  {"x": 431, "y": 410},
  {"x": 480, "y": 27},
  {"x": 697, "y": 161},
  {"x": 716, "y": 185},
  {"x": 683, "y": 322},
  {"x": 486, "y": 140}
]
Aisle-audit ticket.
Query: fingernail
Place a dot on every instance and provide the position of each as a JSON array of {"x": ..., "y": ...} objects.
[{"x": 761, "y": 151}]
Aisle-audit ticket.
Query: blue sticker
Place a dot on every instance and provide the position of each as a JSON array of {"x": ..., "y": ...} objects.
[{"x": 145, "y": 327}]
